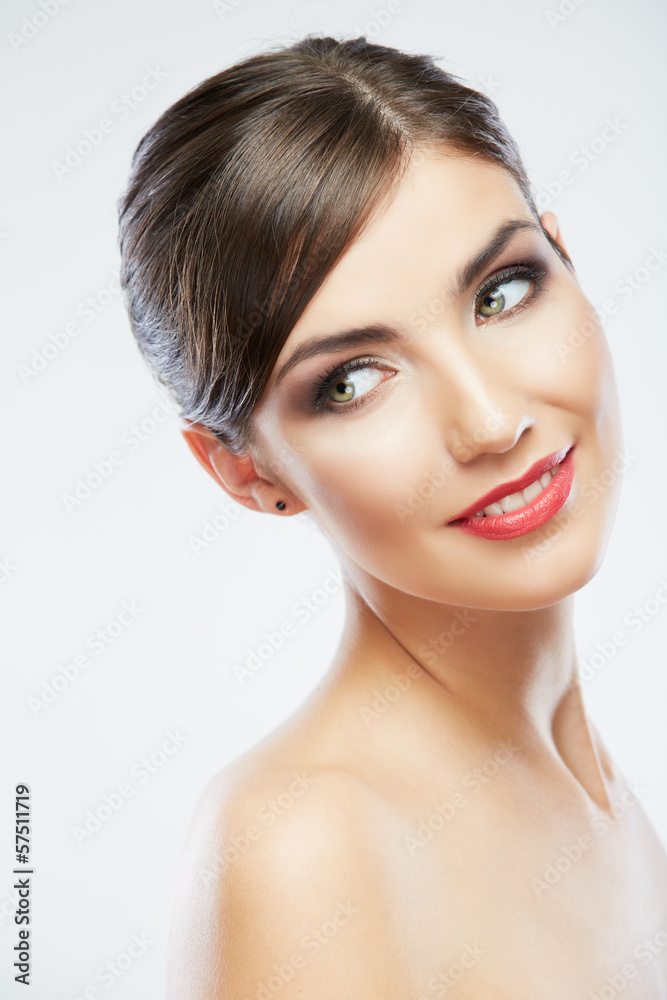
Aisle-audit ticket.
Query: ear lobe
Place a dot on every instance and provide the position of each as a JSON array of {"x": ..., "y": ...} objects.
[{"x": 236, "y": 474}]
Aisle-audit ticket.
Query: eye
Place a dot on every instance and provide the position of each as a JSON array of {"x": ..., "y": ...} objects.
[
  {"x": 506, "y": 291},
  {"x": 504, "y": 296},
  {"x": 353, "y": 384},
  {"x": 347, "y": 385}
]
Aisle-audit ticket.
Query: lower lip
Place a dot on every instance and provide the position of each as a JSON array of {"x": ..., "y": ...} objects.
[{"x": 519, "y": 522}]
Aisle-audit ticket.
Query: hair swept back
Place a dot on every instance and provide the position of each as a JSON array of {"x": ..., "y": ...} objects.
[{"x": 246, "y": 192}]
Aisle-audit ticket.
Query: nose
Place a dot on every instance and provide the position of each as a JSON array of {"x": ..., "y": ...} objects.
[{"x": 483, "y": 413}]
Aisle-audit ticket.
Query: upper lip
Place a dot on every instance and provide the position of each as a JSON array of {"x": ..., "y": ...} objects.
[{"x": 515, "y": 485}]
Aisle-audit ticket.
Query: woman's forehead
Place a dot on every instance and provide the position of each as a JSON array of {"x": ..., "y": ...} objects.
[{"x": 442, "y": 211}]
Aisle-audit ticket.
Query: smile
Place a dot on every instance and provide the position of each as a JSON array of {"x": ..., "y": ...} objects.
[
  {"x": 525, "y": 507},
  {"x": 517, "y": 500}
]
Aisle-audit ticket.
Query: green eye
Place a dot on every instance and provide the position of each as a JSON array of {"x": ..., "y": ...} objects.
[
  {"x": 503, "y": 296},
  {"x": 341, "y": 391},
  {"x": 346, "y": 385}
]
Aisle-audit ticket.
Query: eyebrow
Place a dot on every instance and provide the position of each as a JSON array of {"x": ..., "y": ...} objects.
[{"x": 380, "y": 333}]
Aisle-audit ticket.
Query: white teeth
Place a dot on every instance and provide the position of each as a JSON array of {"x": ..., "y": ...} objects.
[
  {"x": 532, "y": 491},
  {"x": 493, "y": 508},
  {"x": 512, "y": 502},
  {"x": 516, "y": 500}
]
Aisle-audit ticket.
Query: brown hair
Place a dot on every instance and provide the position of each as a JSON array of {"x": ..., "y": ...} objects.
[{"x": 246, "y": 192}]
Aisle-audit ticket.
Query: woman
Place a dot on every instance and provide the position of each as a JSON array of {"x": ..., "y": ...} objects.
[{"x": 333, "y": 260}]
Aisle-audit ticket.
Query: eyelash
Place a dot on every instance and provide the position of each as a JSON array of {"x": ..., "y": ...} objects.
[{"x": 528, "y": 272}]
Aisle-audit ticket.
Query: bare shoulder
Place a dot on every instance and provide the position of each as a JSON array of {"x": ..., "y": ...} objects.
[{"x": 280, "y": 877}]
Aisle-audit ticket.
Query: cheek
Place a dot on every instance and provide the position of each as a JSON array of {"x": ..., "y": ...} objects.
[
  {"x": 360, "y": 480},
  {"x": 584, "y": 367},
  {"x": 569, "y": 365},
  {"x": 572, "y": 372}
]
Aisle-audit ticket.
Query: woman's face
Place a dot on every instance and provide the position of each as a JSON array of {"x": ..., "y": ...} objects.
[{"x": 467, "y": 379}]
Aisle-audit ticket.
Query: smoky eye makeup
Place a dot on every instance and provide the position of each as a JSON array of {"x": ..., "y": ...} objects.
[
  {"x": 336, "y": 377},
  {"x": 531, "y": 272},
  {"x": 495, "y": 301}
]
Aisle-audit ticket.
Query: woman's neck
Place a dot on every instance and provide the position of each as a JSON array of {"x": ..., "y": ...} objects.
[
  {"x": 422, "y": 677},
  {"x": 507, "y": 669}
]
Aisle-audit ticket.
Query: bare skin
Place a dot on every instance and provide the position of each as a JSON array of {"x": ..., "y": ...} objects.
[{"x": 440, "y": 817}]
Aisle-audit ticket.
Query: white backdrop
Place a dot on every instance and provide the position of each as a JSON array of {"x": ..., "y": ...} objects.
[{"x": 130, "y": 585}]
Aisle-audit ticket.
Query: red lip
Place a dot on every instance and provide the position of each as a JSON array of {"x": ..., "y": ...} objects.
[
  {"x": 529, "y": 517},
  {"x": 514, "y": 485},
  {"x": 532, "y": 515}
]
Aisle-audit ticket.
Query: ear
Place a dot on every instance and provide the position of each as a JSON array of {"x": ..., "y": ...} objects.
[
  {"x": 550, "y": 224},
  {"x": 237, "y": 474}
]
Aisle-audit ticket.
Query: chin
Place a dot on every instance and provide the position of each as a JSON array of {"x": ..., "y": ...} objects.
[
  {"x": 533, "y": 571},
  {"x": 545, "y": 577}
]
